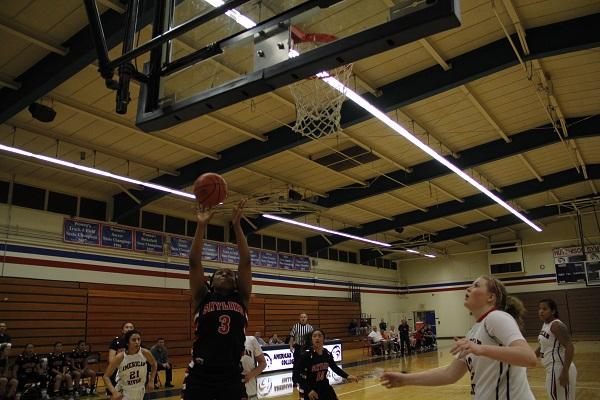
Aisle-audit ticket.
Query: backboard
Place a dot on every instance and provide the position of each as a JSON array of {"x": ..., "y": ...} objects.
[{"x": 245, "y": 51}]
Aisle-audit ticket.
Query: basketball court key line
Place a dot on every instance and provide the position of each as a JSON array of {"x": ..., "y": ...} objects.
[{"x": 96, "y": 171}]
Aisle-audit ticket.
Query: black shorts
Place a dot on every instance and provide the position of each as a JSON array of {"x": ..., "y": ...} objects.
[
  {"x": 204, "y": 383},
  {"x": 28, "y": 378}
]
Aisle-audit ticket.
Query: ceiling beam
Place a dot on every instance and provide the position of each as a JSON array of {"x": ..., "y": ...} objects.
[
  {"x": 403, "y": 200},
  {"x": 471, "y": 203},
  {"x": 435, "y": 54},
  {"x": 31, "y": 35},
  {"x": 530, "y": 167},
  {"x": 123, "y": 123},
  {"x": 8, "y": 82},
  {"x": 253, "y": 170},
  {"x": 447, "y": 193},
  {"x": 53, "y": 69},
  {"x": 469, "y": 158},
  {"x": 484, "y": 112},
  {"x": 85, "y": 144},
  {"x": 553, "y": 39},
  {"x": 331, "y": 170},
  {"x": 478, "y": 211},
  {"x": 370, "y": 211},
  {"x": 477, "y": 228},
  {"x": 357, "y": 140}
]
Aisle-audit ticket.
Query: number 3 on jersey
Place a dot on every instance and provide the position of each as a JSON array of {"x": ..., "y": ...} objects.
[{"x": 224, "y": 321}]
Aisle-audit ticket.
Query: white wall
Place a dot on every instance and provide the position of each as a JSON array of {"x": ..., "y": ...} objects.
[{"x": 466, "y": 263}]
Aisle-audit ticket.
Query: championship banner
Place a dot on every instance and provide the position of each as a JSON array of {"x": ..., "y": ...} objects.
[
  {"x": 149, "y": 242},
  {"x": 117, "y": 237},
  {"x": 286, "y": 261},
  {"x": 179, "y": 246},
  {"x": 81, "y": 232}
]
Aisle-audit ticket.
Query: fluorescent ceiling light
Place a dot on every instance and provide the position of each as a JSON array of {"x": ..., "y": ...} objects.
[
  {"x": 234, "y": 14},
  {"x": 429, "y": 255},
  {"x": 412, "y": 251},
  {"x": 318, "y": 228},
  {"x": 96, "y": 171},
  {"x": 359, "y": 100}
]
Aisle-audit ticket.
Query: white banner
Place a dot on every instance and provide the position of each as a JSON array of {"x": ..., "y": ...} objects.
[
  {"x": 280, "y": 359},
  {"x": 279, "y": 384}
]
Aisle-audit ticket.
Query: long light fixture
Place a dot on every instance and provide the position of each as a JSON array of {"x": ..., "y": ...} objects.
[
  {"x": 95, "y": 171},
  {"x": 325, "y": 230},
  {"x": 359, "y": 100},
  {"x": 234, "y": 14}
]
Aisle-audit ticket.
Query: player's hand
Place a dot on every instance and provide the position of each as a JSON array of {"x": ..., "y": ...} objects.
[
  {"x": 563, "y": 379},
  {"x": 463, "y": 347},
  {"x": 312, "y": 395},
  {"x": 203, "y": 215},
  {"x": 116, "y": 396},
  {"x": 238, "y": 212},
  {"x": 352, "y": 378},
  {"x": 149, "y": 386},
  {"x": 246, "y": 377},
  {"x": 393, "y": 379}
]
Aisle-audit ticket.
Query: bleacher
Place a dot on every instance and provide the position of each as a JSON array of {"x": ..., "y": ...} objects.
[{"x": 43, "y": 312}]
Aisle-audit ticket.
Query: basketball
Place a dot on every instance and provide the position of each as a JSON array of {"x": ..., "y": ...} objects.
[{"x": 210, "y": 189}]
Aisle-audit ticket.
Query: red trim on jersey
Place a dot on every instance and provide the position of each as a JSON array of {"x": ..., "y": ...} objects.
[{"x": 485, "y": 314}]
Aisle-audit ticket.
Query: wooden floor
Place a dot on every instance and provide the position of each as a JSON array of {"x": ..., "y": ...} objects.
[{"x": 587, "y": 360}]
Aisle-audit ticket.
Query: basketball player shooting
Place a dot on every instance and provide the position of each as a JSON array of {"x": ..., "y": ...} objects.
[{"x": 215, "y": 372}]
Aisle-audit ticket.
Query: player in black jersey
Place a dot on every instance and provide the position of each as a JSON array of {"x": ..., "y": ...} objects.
[
  {"x": 118, "y": 345},
  {"x": 312, "y": 370},
  {"x": 8, "y": 384},
  {"x": 27, "y": 367},
  {"x": 60, "y": 370},
  {"x": 79, "y": 366},
  {"x": 215, "y": 372}
]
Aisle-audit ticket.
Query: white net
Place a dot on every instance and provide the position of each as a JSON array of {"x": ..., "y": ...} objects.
[{"x": 318, "y": 105}]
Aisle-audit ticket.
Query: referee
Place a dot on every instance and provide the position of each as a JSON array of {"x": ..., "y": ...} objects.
[{"x": 298, "y": 335}]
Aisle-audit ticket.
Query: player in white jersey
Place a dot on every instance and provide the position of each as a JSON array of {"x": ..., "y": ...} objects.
[
  {"x": 556, "y": 350},
  {"x": 494, "y": 351},
  {"x": 253, "y": 363},
  {"x": 132, "y": 370}
]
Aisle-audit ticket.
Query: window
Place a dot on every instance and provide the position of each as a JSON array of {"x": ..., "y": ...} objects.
[
  {"x": 217, "y": 233},
  {"x": 394, "y": 265},
  {"x": 152, "y": 221},
  {"x": 95, "y": 209},
  {"x": 323, "y": 253},
  {"x": 296, "y": 247},
  {"x": 191, "y": 228},
  {"x": 28, "y": 196},
  {"x": 131, "y": 220},
  {"x": 4, "y": 186},
  {"x": 343, "y": 256},
  {"x": 333, "y": 254},
  {"x": 175, "y": 225},
  {"x": 62, "y": 203},
  {"x": 254, "y": 240},
  {"x": 352, "y": 257},
  {"x": 269, "y": 243},
  {"x": 283, "y": 245}
]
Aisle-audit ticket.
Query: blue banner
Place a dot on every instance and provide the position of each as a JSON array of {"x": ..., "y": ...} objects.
[
  {"x": 268, "y": 259},
  {"x": 210, "y": 251},
  {"x": 117, "y": 238},
  {"x": 301, "y": 263},
  {"x": 179, "y": 247},
  {"x": 255, "y": 257},
  {"x": 286, "y": 261},
  {"x": 149, "y": 242},
  {"x": 81, "y": 232},
  {"x": 230, "y": 254}
]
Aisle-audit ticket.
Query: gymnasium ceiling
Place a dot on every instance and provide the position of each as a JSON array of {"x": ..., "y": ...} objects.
[{"x": 462, "y": 91}]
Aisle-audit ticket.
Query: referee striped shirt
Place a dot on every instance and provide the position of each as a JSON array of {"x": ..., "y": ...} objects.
[{"x": 299, "y": 332}]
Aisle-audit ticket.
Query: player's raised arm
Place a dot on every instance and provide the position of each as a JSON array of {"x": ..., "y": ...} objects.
[
  {"x": 197, "y": 282},
  {"x": 244, "y": 267}
]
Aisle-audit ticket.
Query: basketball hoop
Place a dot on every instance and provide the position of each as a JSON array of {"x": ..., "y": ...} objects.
[{"x": 318, "y": 105}]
